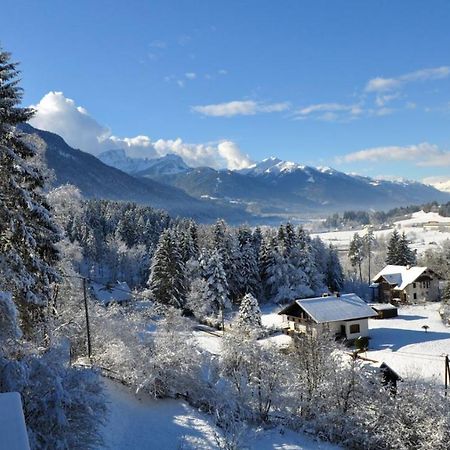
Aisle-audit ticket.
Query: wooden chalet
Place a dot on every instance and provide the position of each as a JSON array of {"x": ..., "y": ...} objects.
[{"x": 406, "y": 284}]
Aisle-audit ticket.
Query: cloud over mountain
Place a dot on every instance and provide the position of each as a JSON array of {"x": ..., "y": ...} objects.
[{"x": 61, "y": 115}]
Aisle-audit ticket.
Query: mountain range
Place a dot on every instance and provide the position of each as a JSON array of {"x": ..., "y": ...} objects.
[{"x": 267, "y": 192}]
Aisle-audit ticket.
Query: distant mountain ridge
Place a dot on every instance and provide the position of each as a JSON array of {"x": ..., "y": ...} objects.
[
  {"x": 98, "y": 180},
  {"x": 273, "y": 186},
  {"x": 265, "y": 193}
]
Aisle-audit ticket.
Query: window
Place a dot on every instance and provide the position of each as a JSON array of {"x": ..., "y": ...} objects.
[
  {"x": 415, "y": 296},
  {"x": 414, "y": 285},
  {"x": 354, "y": 328}
]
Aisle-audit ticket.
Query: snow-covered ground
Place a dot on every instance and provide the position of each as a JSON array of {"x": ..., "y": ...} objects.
[
  {"x": 421, "y": 239},
  {"x": 404, "y": 345},
  {"x": 142, "y": 423}
]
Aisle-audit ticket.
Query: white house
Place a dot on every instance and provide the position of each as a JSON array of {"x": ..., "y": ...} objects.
[
  {"x": 343, "y": 315},
  {"x": 407, "y": 284}
]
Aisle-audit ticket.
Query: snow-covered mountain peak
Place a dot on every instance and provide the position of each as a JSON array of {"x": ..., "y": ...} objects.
[
  {"x": 165, "y": 165},
  {"x": 169, "y": 164},
  {"x": 272, "y": 165}
]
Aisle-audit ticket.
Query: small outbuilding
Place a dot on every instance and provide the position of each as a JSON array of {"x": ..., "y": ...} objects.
[
  {"x": 345, "y": 316},
  {"x": 384, "y": 310}
]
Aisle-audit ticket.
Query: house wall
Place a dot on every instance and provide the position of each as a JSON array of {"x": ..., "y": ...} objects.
[
  {"x": 424, "y": 292},
  {"x": 363, "y": 328},
  {"x": 333, "y": 327}
]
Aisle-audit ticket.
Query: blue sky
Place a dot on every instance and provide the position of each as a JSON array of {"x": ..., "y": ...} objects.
[{"x": 360, "y": 86}]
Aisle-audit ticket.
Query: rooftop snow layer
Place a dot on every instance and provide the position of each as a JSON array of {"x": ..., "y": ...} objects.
[
  {"x": 335, "y": 309},
  {"x": 13, "y": 432},
  {"x": 400, "y": 276}
]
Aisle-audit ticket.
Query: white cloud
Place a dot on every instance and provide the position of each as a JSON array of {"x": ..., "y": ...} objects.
[
  {"x": 423, "y": 154},
  {"x": 158, "y": 44},
  {"x": 61, "y": 115},
  {"x": 329, "y": 112},
  {"x": 239, "y": 108},
  {"x": 190, "y": 75},
  {"x": 380, "y": 84}
]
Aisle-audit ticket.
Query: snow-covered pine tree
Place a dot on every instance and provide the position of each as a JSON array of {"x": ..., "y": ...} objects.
[
  {"x": 249, "y": 313},
  {"x": 369, "y": 240},
  {"x": 393, "y": 248},
  {"x": 406, "y": 256},
  {"x": 247, "y": 264},
  {"x": 267, "y": 261},
  {"x": 167, "y": 277},
  {"x": 28, "y": 233},
  {"x": 216, "y": 293},
  {"x": 308, "y": 260},
  {"x": 334, "y": 273},
  {"x": 356, "y": 253}
]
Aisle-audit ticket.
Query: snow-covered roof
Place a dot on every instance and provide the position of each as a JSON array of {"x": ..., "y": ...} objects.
[
  {"x": 13, "y": 432},
  {"x": 335, "y": 309},
  {"x": 400, "y": 276},
  {"x": 382, "y": 306},
  {"x": 119, "y": 292}
]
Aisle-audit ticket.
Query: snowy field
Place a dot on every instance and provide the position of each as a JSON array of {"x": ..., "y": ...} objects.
[
  {"x": 141, "y": 423},
  {"x": 420, "y": 238},
  {"x": 404, "y": 345}
]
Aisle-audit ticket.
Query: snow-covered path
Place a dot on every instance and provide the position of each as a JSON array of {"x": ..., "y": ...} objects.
[
  {"x": 403, "y": 344},
  {"x": 146, "y": 424}
]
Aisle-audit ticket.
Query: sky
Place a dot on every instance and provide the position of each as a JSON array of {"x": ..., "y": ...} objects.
[{"x": 361, "y": 86}]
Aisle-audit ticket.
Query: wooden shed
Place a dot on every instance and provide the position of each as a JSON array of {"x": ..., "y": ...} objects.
[{"x": 384, "y": 310}]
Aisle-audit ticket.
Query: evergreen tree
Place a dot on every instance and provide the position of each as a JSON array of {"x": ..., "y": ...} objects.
[
  {"x": 249, "y": 313},
  {"x": 247, "y": 264},
  {"x": 28, "y": 233},
  {"x": 393, "y": 251},
  {"x": 369, "y": 240},
  {"x": 266, "y": 263},
  {"x": 216, "y": 292},
  {"x": 406, "y": 256},
  {"x": 167, "y": 278},
  {"x": 356, "y": 253},
  {"x": 399, "y": 253},
  {"x": 334, "y": 274}
]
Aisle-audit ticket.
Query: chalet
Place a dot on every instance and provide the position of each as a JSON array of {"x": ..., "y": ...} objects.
[
  {"x": 407, "y": 284},
  {"x": 344, "y": 315}
]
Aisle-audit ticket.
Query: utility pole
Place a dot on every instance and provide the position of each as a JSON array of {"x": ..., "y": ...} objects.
[
  {"x": 88, "y": 330},
  {"x": 223, "y": 319},
  {"x": 447, "y": 374}
]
